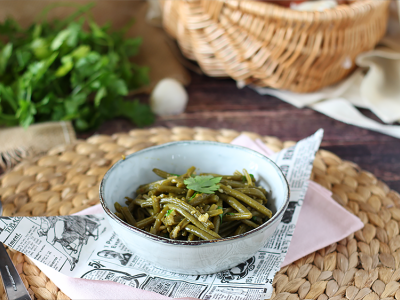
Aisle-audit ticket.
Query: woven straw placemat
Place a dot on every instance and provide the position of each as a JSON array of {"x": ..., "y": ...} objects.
[{"x": 364, "y": 265}]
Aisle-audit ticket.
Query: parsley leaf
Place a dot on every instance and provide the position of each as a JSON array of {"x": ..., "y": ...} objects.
[
  {"x": 194, "y": 195},
  {"x": 203, "y": 184},
  {"x": 169, "y": 211},
  {"x": 220, "y": 215}
]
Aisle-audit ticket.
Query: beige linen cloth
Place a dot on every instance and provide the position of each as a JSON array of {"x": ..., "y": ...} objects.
[
  {"x": 17, "y": 142},
  {"x": 157, "y": 52},
  {"x": 375, "y": 85}
]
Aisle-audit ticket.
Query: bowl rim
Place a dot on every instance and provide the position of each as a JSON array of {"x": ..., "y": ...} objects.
[{"x": 169, "y": 241}]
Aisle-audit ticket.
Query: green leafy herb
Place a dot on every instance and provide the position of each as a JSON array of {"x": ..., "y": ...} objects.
[
  {"x": 220, "y": 215},
  {"x": 231, "y": 214},
  {"x": 194, "y": 195},
  {"x": 169, "y": 211},
  {"x": 61, "y": 71},
  {"x": 203, "y": 184}
]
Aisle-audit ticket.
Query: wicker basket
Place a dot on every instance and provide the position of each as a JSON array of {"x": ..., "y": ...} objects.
[{"x": 269, "y": 45}]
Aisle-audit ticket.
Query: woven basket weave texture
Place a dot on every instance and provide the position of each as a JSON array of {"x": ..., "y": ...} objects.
[
  {"x": 268, "y": 45},
  {"x": 365, "y": 265}
]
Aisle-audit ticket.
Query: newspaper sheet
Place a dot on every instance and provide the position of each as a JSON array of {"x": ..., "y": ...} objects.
[{"x": 86, "y": 246}]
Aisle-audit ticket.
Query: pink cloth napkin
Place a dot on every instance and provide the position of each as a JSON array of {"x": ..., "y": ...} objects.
[{"x": 321, "y": 222}]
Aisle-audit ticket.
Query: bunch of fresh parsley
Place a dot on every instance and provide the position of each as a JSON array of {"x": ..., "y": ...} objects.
[{"x": 63, "y": 71}]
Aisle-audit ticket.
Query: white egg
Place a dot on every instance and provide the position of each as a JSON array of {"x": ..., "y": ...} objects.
[{"x": 168, "y": 97}]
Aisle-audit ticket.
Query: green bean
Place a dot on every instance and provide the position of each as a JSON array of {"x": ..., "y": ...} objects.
[
  {"x": 131, "y": 205},
  {"x": 234, "y": 203},
  {"x": 215, "y": 212},
  {"x": 227, "y": 228},
  {"x": 145, "y": 188},
  {"x": 141, "y": 213},
  {"x": 214, "y": 199},
  {"x": 187, "y": 207},
  {"x": 192, "y": 219},
  {"x": 189, "y": 172},
  {"x": 156, "y": 204},
  {"x": 256, "y": 213},
  {"x": 181, "y": 185},
  {"x": 147, "y": 203},
  {"x": 252, "y": 192},
  {"x": 191, "y": 237},
  {"x": 162, "y": 173},
  {"x": 228, "y": 225},
  {"x": 182, "y": 224},
  {"x": 150, "y": 210},
  {"x": 170, "y": 189},
  {"x": 250, "y": 223},
  {"x": 228, "y": 233},
  {"x": 213, "y": 206},
  {"x": 205, "y": 208},
  {"x": 128, "y": 200},
  {"x": 144, "y": 211},
  {"x": 118, "y": 207},
  {"x": 211, "y": 200},
  {"x": 156, "y": 227},
  {"x": 234, "y": 184},
  {"x": 236, "y": 216},
  {"x": 119, "y": 215},
  {"x": 264, "y": 191},
  {"x": 177, "y": 180},
  {"x": 167, "y": 182},
  {"x": 172, "y": 218},
  {"x": 189, "y": 194},
  {"x": 257, "y": 220},
  {"x": 246, "y": 199},
  {"x": 198, "y": 199},
  {"x": 217, "y": 219},
  {"x": 199, "y": 232},
  {"x": 216, "y": 223},
  {"x": 242, "y": 228},
  {"x": 146, "y": 222},
  {"x": 228, "y": 210},
  {"x": 128, "y": 216},
  {"x": 227, "y": 177}
]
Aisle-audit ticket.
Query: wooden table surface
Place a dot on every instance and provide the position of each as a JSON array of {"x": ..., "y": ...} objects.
[{"x": 218, "y": 103}]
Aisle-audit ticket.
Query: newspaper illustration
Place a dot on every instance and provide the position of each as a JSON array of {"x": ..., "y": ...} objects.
[{"x": 85, "y": 246}]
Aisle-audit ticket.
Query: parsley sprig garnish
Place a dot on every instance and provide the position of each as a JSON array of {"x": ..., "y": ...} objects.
[{"x": 203, "y": 184}]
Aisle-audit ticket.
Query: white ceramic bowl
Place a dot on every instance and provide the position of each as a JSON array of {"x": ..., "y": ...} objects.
[{"x": 197, "y": 257}]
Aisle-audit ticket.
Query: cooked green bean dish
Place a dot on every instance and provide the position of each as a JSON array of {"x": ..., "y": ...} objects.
[{"x": 197, "y": 207}]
